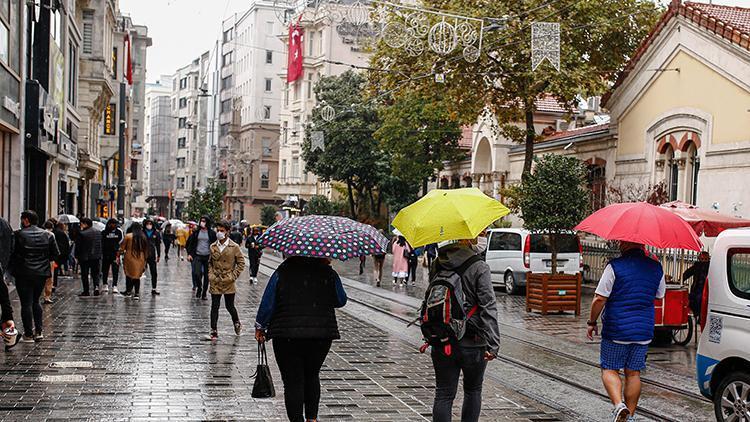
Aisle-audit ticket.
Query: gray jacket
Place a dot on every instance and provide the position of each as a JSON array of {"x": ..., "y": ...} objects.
[{"x": 477, "y": 286}]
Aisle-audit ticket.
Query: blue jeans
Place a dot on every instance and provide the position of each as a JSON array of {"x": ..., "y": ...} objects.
[
  {"x": 200, "y": 269},
  {"x": 470, "y": 361}
]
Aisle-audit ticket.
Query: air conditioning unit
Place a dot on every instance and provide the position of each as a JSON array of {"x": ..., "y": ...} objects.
[
  {"x": 561, "y": 125},
  {"x": 594, "y": 104}
]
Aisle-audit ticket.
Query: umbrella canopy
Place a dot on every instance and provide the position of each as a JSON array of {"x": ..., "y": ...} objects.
[
  {"x": 97, "y": 225},
  {"x": 705, "y": 222},
  {"x": 324, "y": 237},
  {"x": 67, "y": 219},
  {"x": 174, "y": 222},
  {"x": 640, "y": 222},
  {"x": 448, "y": 215}
]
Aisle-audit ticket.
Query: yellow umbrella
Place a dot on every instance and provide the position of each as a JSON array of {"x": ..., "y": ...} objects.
[{"x": 448, "y": 215}]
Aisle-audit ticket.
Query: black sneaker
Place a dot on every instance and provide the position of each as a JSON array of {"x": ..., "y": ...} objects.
[
  {"x": 237, "y": 328},
  {"x": 38, "y": 336},
  {"x": 125, "y": 293},
  {"x": 84, "y": 294},
  {"x": 96, "y": 292},
  {"x": 197, "y": 293},
  {"x": 155, "y": 292}
]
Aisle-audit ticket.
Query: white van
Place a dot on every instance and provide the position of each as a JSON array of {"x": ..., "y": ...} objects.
[
  {"x": 511, "y": 253},
  {"x": 723, "y": 361}
]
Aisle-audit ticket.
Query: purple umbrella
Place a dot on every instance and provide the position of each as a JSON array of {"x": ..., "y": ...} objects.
[{"x": 323, "y": 236}]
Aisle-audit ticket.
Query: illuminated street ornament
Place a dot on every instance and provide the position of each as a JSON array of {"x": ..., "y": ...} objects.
[
  {"x": 545, "y": 44},
  {"x": 327, "y": 113},
  {"x": 440, "y": 78},
  {"x": 442, "y": 38},
  {"x": 317, "y": 141}
]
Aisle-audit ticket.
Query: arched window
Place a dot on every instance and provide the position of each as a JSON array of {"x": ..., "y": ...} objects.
[
  {"x": 597, "y": 180},
  {"x": 672, "y": 172}
]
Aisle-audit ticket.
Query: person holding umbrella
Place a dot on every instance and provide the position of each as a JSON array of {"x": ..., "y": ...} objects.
[
  {"x": 298, "y": 307},
  {"x": 626, "y": 292}
]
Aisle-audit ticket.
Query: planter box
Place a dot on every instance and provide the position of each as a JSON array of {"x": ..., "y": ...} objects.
[{"x": 553, "y": 293}]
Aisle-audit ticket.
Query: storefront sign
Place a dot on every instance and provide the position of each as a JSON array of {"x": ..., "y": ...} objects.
[{"x": 109, "y": 119}]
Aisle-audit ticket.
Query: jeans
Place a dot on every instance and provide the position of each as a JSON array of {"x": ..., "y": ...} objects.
[
  {"x": 107, "y": 263},
  {"x": 253, "y": 256},
  {"x": 299, "y": 362},
  {"x": 29, "y": 291},
  {"x": 151, "y": 263},
  {"x": 228, "y": 303},
  {"x": 90, "y": 267},
  {"x": 200, "y": 269},
  {"x": 132, "y": 285},
  {"x": 470, "y": 361}
]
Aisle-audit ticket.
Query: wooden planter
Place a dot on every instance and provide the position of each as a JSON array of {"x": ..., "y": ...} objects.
[{"x": 553, "y": 293}]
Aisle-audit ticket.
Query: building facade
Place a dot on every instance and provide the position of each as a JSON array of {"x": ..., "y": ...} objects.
[
  {"x": 249, "y": 96},
  {"x": 158, "y": 147}
]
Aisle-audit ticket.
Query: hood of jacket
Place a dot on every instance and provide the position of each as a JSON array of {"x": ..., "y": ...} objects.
[{"x": 453, "y": 256}]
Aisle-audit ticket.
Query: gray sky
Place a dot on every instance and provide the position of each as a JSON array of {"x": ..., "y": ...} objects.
[{"x": 182, "y": 29}]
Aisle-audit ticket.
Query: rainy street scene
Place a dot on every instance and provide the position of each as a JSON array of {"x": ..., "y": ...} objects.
[{"x": 375, "y": 210}]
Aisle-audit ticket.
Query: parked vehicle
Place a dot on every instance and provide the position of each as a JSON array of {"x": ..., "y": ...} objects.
[
  {"x": 723, "y": 361},
  {"x": 511, "y": 253}
]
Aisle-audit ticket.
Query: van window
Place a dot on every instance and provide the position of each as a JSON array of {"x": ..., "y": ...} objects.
[
  {"x": 505, "y": 242},
  {"x": 566, "y": 243},
  {"x": 738, "y": 269}
]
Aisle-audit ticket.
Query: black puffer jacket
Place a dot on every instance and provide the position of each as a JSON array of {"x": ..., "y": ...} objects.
[
  {"x": 33, "y": 250},
  {"x": 89, "y": 245}
]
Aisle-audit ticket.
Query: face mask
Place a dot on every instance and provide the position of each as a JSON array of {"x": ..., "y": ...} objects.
[
  {"x": 481, "y": 244},
  {"x": 220, "y": 235},
  {"x": 203, "y": 224},
  {"x": 149, "y": 227}
]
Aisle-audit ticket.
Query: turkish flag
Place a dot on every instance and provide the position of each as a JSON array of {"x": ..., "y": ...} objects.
[
  {"x": 128, "y": 61},
  {"x": 294, "y": 61}
]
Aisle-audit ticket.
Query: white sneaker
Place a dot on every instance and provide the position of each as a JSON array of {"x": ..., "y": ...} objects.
[
  {"x": 105, "y": 289},
  {"x": 114, "y": 289},
  {"x": 620, "y": 413}
]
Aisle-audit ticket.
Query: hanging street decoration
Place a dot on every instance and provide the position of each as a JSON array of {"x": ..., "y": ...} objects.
[
  {"x": 317, "y": 141},
  {"x": 327, "y": 113},
  {"x": 545, "y": 44}
]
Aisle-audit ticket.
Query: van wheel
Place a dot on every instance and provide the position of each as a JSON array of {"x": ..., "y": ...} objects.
[
  {"x": 510, "y": 283},
  {"x": 732, "y": 399}
]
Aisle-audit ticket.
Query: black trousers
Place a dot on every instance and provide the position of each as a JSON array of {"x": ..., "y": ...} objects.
[
  {"x": 167, "y": 246},
  {"x": 413, "y": 264},
  {"x": 253, "y": 256},
  {"x": 447, "y": 370},
  {"x": 29, "y": 291},
  {"x": 92, "y": 268},
  {"x": 228, "y": 303},
  {"x": 151, "y": 263},
  {"x": 200, "y": 270},
  {"x": 299, "y": 361},
  {"x": 132, "y": 285},
  {"x": 107, "y": 263}
]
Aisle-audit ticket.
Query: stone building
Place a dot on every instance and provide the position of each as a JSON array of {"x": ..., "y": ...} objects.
[{"x": 158, "y": 147}]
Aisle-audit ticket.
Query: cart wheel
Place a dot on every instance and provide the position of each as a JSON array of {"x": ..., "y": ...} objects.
[{"x": 683, "y": 336}]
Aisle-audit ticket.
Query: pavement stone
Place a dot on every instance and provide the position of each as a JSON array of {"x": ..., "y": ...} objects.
[{"x": 111, "y": 358}]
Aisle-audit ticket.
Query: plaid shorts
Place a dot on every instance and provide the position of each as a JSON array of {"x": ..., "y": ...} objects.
[{"x": 617, "y": 356}]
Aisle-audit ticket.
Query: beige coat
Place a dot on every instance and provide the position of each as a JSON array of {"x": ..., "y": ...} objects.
[
  {"x": 224, "y": 268},
  {"x": 133, "y": 265}
]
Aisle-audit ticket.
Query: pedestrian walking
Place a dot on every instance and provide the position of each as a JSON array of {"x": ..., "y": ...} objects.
[
  {"x": 377, "y": 262},
  {"x": 481, "y": 340},
  {"x": 626, "y": 293},
  {"x": 49, "y": 226},
  {"x": 413, "y": 260},
  {"x": 154, "y": 252},
  {"x": 254, "y": 253},
  {"x": 89, "y": 256},
  {"x": 430, "y": 252},
  {"x": 297, "y": 313},
  {"x": 112, "y": 237},
  {"x": 33, "y": 251},
  {"x": 199, "y": 250},
  {"x": 236, "y": 235},
  {"x": 63, "y": 246},
  {"x": 400, "y": 267},
  {"x": 168, "y": 236},
  {"x": 134, "y": 251},
  {"x": 698, "y": 272},
  {"x": 224, "y": 268},
  {"x": 181, "y": 237},
  {"x": 7, "y": 325}
]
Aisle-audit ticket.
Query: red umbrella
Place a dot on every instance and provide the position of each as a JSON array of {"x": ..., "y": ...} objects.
[
  {"x": 708, "y": 223},
  {"x": 644, "y": 223}
]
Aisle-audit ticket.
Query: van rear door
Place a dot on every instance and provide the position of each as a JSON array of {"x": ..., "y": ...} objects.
[
  {"x": 568, "y": 254},
  {"x": 503, "y": 252}
]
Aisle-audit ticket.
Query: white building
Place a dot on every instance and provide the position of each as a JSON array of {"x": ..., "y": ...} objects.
[
  {"x": 189, "y": 108},
  {"x": 321, "y": 44},
  {"x": 158, "y": 146},
  {"x": 249, "y": 97}
]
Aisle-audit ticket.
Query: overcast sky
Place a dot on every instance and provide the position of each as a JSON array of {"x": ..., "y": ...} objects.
[{"x": 182, "y": 29}]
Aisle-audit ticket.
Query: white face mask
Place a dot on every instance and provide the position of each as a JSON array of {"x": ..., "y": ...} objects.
[
  {"x": 220, "y": 235},
  {"x": 481, "y": 244}
]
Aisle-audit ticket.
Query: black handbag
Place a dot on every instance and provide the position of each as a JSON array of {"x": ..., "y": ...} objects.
[{"x": 263, "y": 386}]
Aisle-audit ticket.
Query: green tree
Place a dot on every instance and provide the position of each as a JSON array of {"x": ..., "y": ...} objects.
[
  {"x": 553, "y": 198},
  {"x": 268, "y": 215},
  {"x": 597, "y": 38},
  {"x": 420, "y": 135},
  {"x": 351, "y": 154},
  {"x": 319, "y": 205},
  {"x": 208, "y": 201}
]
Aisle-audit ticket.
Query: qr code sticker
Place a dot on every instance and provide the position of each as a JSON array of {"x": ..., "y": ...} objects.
[{"x": 715, "y": 325}]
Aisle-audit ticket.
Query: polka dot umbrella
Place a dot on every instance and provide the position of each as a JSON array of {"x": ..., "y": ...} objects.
[{"x": 324, "y": 236}]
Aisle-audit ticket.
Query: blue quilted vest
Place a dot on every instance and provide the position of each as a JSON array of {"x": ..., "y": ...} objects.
[{"x": 629, "y": 312}]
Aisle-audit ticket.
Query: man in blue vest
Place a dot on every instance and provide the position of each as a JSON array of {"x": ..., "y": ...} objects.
[{"x": 626, "y": 293}]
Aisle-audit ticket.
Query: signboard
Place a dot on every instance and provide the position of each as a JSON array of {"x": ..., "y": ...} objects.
[
  {"x": 109, "y": 119},
  {"x": 57, "y": 79}
]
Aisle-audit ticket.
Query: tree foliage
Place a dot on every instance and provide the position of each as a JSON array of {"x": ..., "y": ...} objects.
[
  {"x": 553, "y": 198},
  {"x": 351, "y": 154},
  {"x": 268, "y": 215},
  {"x": 597, "y": 38},
  {"x": 208, "y": 201},
  {"x": 320, "y": 205},
  {"x": 420, "y": 135}
]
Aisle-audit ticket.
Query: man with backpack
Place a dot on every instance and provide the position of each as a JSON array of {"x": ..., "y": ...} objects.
[{"x": 459, "y": 321}]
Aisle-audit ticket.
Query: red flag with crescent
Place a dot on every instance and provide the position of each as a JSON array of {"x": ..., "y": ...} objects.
[{"x": 294, "y": 61}]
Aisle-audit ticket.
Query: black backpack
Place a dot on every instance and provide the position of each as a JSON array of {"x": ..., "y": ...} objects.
[{"x": 443, "y": 314}]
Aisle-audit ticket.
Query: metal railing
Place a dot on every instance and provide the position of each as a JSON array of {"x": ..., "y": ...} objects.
[{"x": 596, "y": 255}]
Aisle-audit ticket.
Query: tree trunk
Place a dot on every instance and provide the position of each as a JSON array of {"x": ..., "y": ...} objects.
[
  {"x": 374, "y": 212},
  {"x": 424, "y": 186},
  {"x": 350, "y": 192},
  {"x": 530, "y": 136},
  {"x": 553, "y": 250}
]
